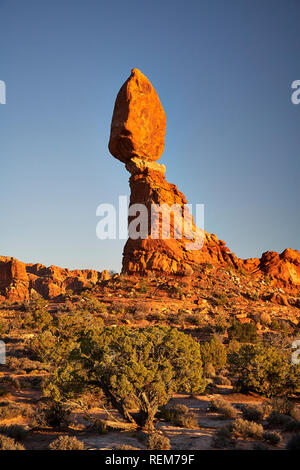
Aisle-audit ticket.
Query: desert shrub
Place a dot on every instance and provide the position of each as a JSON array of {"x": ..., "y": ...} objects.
[
  {"x": 35, "y": 303},
  {"x": 10, "y": 410},
  {"x": 209, "y": 371},
  {"x": 98, "y": 426},
  {"x": 275, "y": 325},
  {"x": 180, "y": 416},
  {"x": 188, "y": 420},
  {"x": 252, "y": 413},
  {"x": 43, "y": 346},
  {"x": 292, "y": 425},
  {"x": 213, "y": 352},
  {"x": 283, "y": 406},
  {"x": 272, "y": 437},
  {"x": 4, "y": 327},
  {"x": 53, "y": 414},
  {"x": 233, "y": 347},
  {"x": 243, "y": 332},
  {"x": 221, "y": 300},
  {"x": 194, "y": 318},
  {"x": 265, "y": 370},
  {"x": 265, "y": 318},
  {"x": 155, "y": 316},
  {"x": 278, "y": 420},
  {"x": 91, "y": 304},
  {"x": 14, "y": 431},
  {"x": 67, "y": 443},
  {"x": 139, "y": 315},
  {"x": 284, "y": 414},
  {"x": 223, "y": 438},
  {"x": 224, "y": 407},
  {"x": 149, "y": 365},
  {"x": 14, "y": 363},
  {"x": 75, "y": 322},
  {"x": 157, "y": 441},
  {"x": 220, "y": 323},
  {"x": 244, "y": 428},
  {"x": 293, "y": 443},
  {"x": 295, "y": 413},
  {"x": 266, "y": 409},
  {"x": 143, "y": 287},
  {"x": 24, "y": 364},
  {"x": 6, "y": 443},
  {"x": 38, "y": 319},
  {"x": 222, "y": 380}
]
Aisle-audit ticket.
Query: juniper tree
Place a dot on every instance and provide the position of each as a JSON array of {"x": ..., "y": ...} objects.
[{"x": 141, "y": 366}]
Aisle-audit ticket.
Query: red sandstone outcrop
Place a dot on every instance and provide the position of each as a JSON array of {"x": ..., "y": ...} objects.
[
  {"x": 19, "y": 280},
  {"x": 139, "y": 122},
  {"x": 137, "y": 139}
]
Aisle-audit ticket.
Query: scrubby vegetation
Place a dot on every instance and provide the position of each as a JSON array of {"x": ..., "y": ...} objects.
[
  {"x": 265, "y": 370},
  {"x": 119, "y": 358},
  {"x": 67, "y": 443}
]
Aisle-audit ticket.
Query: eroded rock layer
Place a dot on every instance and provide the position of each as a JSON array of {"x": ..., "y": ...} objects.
[{"x": 19, "y": 281}]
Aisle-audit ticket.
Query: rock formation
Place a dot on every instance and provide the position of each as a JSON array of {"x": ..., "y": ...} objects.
[
  {"x": 137, "y": 139},
  {"x": 139, "y": 122},
  {"x": 18, "y": 281}
]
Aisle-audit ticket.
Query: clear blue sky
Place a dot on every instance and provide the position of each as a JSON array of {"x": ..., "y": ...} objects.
[{"x": 223, "y": 71}]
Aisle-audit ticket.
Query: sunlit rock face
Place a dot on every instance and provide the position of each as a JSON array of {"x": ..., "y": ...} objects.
[
  {"x": 137, "y": 139},
  {"x": 138, "y": 124}
]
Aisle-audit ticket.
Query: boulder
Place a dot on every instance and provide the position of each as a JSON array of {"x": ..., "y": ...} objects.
[{"x": 139, "y": 122}]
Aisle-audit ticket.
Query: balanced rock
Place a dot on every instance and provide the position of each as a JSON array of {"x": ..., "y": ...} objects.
[
  {"x": 139, "y": 122},
  {"x": 137, "y": 139}
]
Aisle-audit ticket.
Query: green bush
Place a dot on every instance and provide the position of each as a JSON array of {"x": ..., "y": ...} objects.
[
  {"x": 38, "y": 319},
  {"x": 67, "y": 443},
  {"x": 265, "y": 370},
  {"x": 143, "y": 287},
  {"x": 213, "y": 352},
  {"x": 149, "y": 365},
  {"x": 4, "y": 327},
  {"x": 243, "y": 332}
]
